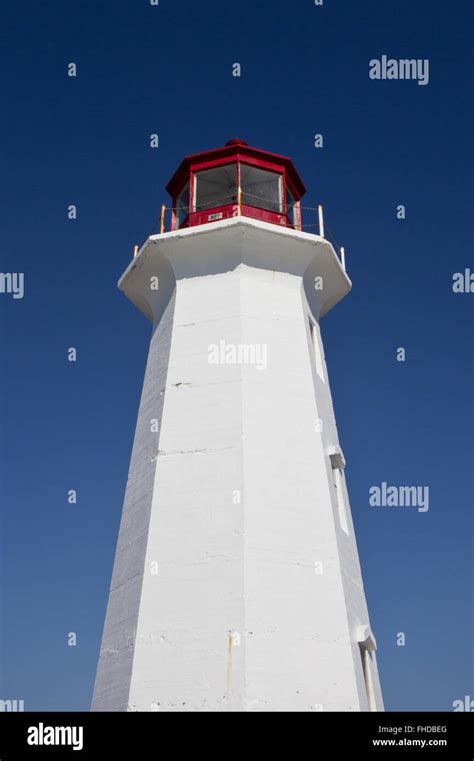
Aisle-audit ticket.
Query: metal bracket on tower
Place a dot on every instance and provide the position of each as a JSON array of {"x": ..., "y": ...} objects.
[
  {"x": 337, "y": 457},
  {"x": 366, "y": 639}
]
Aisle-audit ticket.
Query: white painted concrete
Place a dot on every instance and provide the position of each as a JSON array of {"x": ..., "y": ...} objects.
[{"x": 258, "y": 603}]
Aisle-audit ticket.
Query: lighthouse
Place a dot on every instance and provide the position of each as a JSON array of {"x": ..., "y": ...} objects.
[{"x": 236, "y": 583}]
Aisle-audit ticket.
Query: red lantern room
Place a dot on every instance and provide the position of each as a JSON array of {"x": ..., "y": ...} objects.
[{"x": 236, "y": 180}]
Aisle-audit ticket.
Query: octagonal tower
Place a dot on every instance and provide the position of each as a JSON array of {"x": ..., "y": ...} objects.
[{"x": 236, "y": 583}]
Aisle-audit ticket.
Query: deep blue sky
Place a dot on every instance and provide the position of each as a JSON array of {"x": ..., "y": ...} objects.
[{"x": 85, "y": 141}]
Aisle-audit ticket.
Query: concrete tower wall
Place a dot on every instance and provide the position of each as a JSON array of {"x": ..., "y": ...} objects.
[
  {"x": 112, "y": 686},
  {"x": 236, "y": 584}
]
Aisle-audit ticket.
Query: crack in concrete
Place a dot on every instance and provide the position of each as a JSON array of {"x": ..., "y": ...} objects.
[{"x": 163, "y": 453}]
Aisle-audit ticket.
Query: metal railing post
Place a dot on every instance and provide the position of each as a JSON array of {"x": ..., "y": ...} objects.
[
  {"x": 343, "y": 258},
  {"x": 321, "y": 220}
]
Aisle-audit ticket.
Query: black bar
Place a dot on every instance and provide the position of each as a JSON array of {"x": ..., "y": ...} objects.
[{"x": 167, "y": 735}]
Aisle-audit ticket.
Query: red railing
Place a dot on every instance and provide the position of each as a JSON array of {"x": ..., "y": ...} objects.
[{"x": 227, "y": 211}]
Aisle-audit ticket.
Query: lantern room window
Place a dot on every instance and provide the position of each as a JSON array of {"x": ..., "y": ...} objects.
[
  {"x": 261, "y": 188},
  {"x": 290, "y": 205},
  {"x": 215, "y": 187},
  {"x": 182, "y": 205}
]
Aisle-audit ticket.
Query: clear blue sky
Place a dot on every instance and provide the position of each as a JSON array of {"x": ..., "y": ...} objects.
[{"x": 85, "y": 141}]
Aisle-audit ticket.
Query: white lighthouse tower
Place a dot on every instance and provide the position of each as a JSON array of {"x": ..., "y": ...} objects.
[{"x": 236, "y": 584}]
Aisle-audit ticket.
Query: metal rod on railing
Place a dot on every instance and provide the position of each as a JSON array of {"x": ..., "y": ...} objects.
[
  {"x": 321, "y": 220},
  {"x": 162, "y": 222},
  {"x": 343, "y": 258}
]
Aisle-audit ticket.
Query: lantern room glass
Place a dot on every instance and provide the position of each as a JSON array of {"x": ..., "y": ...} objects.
[
  {"x": 218, "y": 187},
  {"x": 215, "y": 187},
  {"x": 290, "y": 205},
  {"x": 261, "y": 188},
  {"x": 182, "y": 205}
]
